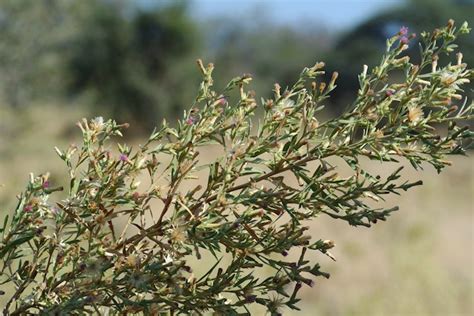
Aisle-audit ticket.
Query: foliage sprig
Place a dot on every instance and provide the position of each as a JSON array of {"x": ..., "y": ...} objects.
[{"x": 135, "y": 229}]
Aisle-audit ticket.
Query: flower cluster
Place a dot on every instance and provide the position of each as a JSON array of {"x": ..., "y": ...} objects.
[{"x": 135, "y": 233}]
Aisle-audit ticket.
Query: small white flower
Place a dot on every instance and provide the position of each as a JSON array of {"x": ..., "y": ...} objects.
[
  {"x": 226, "y": 302},
  {"x": 141, "y": 163},
  {"x": 108, "y": 254},
  {"x": 99, "y": 120},
  {"x": 288, "y": 103},
  {"x": 135, "y": 185},
  {"x": 415, "y": 114},
  {"x": 168, "y": 259},
  {"x": 97, "y": 123},
  {"x": 447, "y": 78},
  {"x": 93, "y": 192}
]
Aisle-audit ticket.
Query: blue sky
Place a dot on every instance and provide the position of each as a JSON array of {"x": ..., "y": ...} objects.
[{"x": 334, "y": 14}]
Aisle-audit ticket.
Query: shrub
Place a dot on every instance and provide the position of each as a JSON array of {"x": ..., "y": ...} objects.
[{"x": 77, "y": 255}]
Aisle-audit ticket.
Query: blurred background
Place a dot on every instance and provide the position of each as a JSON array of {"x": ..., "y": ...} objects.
[{"x": 134, "y": 61}]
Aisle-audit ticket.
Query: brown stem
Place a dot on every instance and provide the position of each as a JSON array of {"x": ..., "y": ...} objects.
[
  {"x": 138, "y": 237},
  {"x": 15, "y": 296}
]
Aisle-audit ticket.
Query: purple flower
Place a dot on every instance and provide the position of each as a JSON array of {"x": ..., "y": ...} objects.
[
  {"x": 123, "y": 157},
  {"x": 403, "y": 30},
  {"x": 250, "y": 298},
  {"x": 136, "y": 196},
  {"x": 45, "y": 184},
  {"x": 404, "y": 40},
  {"x": 192, "y": 119},
  {"x": 28, "y": 208},
  {"x": 55, "y": 210},
  {"x": 223, "y": 101}
]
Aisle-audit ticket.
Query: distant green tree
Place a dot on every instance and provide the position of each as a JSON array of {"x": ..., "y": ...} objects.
[
  {"x": 123, "y": 55},
  {"x": 28, "y": 40},
  {"x": 115, "y": 55}
]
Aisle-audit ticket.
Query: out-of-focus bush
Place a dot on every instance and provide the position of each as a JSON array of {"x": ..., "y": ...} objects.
[
  {"x": 126, "y": 58},
  {"x": 115, "y": 56},
  {"x": 118, "y": 56},
  {"x": 29, "y": 62},
  {"x": 123, "y": 55}
]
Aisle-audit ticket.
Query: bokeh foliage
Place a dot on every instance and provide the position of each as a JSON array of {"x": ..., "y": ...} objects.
[{"x": 130, "y": 60}]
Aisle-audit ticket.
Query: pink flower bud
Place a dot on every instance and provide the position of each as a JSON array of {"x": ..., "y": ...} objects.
[
  {"x": 191, "y": 120},
  {"x": 403, "y": 30},
  {"x": 223, "y": 101}
]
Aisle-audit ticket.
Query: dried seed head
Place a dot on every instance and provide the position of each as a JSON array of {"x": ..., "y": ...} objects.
[
  {"x": 269, "y": 104},
  {"x": 329, "y": 244},
  {"x": 132, "y": 260},
  {"x": 100, "y": 219},
  {"x": 447, "y": 78},
  {"x": 278, "y": 116},
  {"x": 314, "y": 124},
  {"x": 450, "y": 24},
  {"x": 178, "y": 234},
  {"x": 415, "y": 114},
  {"x": 277, "y": 90},
  {"x": 378, "y": 134},
  {"x": 322, "y": 86}
]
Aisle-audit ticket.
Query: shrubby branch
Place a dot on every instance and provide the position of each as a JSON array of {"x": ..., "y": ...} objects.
[{"x": 116, "y": 245}]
